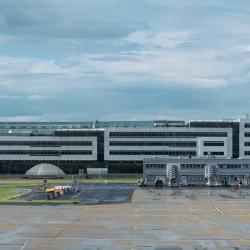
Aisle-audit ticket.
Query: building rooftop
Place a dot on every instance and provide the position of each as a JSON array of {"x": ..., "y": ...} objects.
[{"x": 52, "y": 126}]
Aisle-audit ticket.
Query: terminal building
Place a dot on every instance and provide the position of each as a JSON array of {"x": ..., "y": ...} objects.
[{"x": 120, "y": 146}]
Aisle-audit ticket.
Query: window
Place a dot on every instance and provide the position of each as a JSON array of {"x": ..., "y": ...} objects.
[
  {"x": 213, "y": 143},
  {"x": 167, "y": 134},
  {"x": 245, "y": 166},
  {"x": 46, "y": 143},
  {"x": 213, "y": 153},
  {"x": 144, "y": 152},
  {"x": 152, "y": 143},
  {"x": 45, "y": 152}
]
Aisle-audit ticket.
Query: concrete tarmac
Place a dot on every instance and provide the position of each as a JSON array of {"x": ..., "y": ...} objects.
[{"x": 154, "y": 219}]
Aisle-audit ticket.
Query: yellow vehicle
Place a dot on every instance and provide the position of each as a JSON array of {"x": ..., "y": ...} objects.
[{"x": 53, "y": 192}]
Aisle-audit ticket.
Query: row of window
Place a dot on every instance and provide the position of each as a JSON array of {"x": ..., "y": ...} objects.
[
  {"x": 144, "y": 152},
  {"x": 246, "y": 152},
  {"x": 219, "y": 165},
  {"x": 45, "y": 143},
  {"x": 168, "y": 134},
  {"x": 54, "y": 153},
  {"x": 186, "y": 166},
  {"x": 152, "y": 143},
  {"x": 111, "y": 143},
  {"x": 191, "y": 178},
  {"x": 232, "y": 166},
  {"x": 214, "y": 143},
  {"x": 155, "y": 165},
  {"x": 193, "y": 165}
]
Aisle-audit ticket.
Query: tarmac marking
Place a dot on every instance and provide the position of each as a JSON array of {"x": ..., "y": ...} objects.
[
  {"x": 24, "y": 245},
  {"x": 201, "y": 220},
  {"x": 58, "y": 234},
  {"x": 210, "y": 222},
  {"x": 219, "y": 211},
  {"x": 29, "y": 197},
  {"x": 74, "y": 196}
]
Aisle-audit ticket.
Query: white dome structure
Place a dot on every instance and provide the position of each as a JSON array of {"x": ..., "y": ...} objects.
[{"x": 45, "y": 170}]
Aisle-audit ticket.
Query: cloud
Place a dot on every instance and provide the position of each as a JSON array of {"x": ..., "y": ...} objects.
[
  {"x": 163, "y": 66},
  {"x": 45, "y": 117},
  {"x": 9, "y": 97},
  {"x": 200, "y": 68},
  {"x": 3, "y": 20},
  {"x": 62, "y": 19},
  {"x": 22, "y": 118},
  {"x": 170, "y": 39},
  {"x": 108, "y": 58},
  {"x": 37, "y": 97},
  {"x": 34, "y": 97}
]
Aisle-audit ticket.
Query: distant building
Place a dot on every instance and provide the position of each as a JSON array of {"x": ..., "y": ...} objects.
[{"x": 120, "y": 146}]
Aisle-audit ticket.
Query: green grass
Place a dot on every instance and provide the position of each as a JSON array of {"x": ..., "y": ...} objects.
[
  {"x": 41, "y": 201},
  {"x": 19, "y": 182},
  {"x": 111, "y": 181},
  {"x": 10, "y": 192}
]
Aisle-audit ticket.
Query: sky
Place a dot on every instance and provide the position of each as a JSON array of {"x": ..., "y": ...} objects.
[{"x": 63, "y": 60}]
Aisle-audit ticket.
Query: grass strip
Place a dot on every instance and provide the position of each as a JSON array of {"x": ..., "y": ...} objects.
[
  {"x": 10, "y": 192},
  {"x": 40, "y": 201},
  {"x": 35, "y": 183}
]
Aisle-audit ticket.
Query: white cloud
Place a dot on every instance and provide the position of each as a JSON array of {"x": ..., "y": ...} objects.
[
  {"x": 3, "y": 21},
  {"x": 157, "y": 57},
  {"x": 44, "y": 117},
  {"x": 170, "y": 39},
  {"x": 24, "y": 118},
  {"x": 44, "y": 67},
  {"x": 200, "y": 68},
  {"x": 239, "y": 48},
  {"x": 191, "y": 4},
  {"x": 37, "y": 97},
  {"x": 189, "y": 68},
  {"x": 10, "y": 97}
]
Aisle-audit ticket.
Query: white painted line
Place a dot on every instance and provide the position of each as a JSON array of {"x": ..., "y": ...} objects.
[
  {"x": 219, "y": 211},
  {"x": 75, "y": 196},
  {"x": 24, "y": 245}
]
